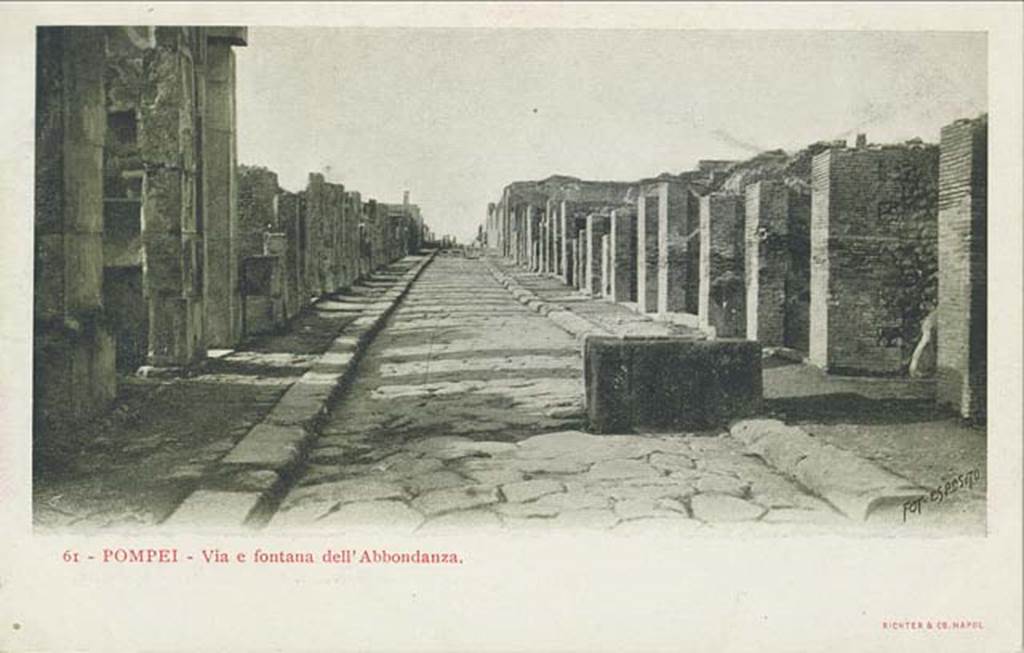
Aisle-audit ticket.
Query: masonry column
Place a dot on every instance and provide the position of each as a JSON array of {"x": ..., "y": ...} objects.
[
  {"x": 874, "y": 236},
  {"x": 73, "y": 351},
  {"x": 597, "y": 226},
  {"x": 647, "y": 252},
  {"x": 961, "y": 367},
  {"x": 220, "y": 189},
  {"x": 567, "y": 243},
  {"x": 720, "y": 305},
  {"x": 673, "y": 199},
  {"x": 767, "y": 261},
  {"x": 171, "y": 234},
  {"x": 623, "y": 255}
]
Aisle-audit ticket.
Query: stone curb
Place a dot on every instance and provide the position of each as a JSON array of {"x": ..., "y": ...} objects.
[
  {"x": 571, "y": 323},
  {"x": 854, "y": 485},
  {"x": 257, "y": 470}
]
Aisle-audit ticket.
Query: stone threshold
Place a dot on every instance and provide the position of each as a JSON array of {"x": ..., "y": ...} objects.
[{"x": 249, "y": 481}]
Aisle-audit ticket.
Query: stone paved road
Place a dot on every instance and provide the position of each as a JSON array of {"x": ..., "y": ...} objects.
[{"x": 466, "y": 413}]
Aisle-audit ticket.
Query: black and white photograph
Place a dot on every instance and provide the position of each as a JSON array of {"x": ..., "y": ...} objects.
[{"x": 300, "y": 292}]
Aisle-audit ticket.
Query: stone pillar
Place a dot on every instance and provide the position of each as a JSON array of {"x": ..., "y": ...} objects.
[
  {"x": 606, "y": 274},
  {"x": 172, "y": 232},
  {"x": 580, "y": 275},
  {"x": 597, "y": 226},
  {"x": 767, "y": 261},
  {"x": 720, "y": 306},
  {"x": 874, "y": 236},
  {"x": 623, "y": 255},
  {"x": 220, "y": 189},
  {"x": 647, "y": 252},
  {"x": 567, "y": 242},
  {"x": 73, "y": 352},
  {"x": 542, "y": 243},
  {"x": 961, "y": 366},
  {"x": 673, "y": 213},
  {"x": 288, "y": 221},
  {"x": 569, "y": 261}
]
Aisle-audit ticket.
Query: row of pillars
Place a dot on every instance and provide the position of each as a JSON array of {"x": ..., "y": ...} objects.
[{"x": 844, "y": 270}]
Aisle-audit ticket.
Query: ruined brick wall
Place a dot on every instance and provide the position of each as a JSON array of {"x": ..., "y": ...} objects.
[
  {"x": 73, "y": 351},
  {"x": 722, "y": 295},
  {"x": 961, "y": 366},
  {"x": 257, "y": 208},
  {"x": 874, "y": 259},
  {"x": 767, "y": 261}
]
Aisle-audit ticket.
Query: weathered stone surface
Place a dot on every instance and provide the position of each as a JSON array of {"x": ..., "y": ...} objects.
[
  {"x": 463, "y": 520},
  {"x": 270, "y": 446},
  {"x": 669, "y": 382},
  {"x": 530, "y": 490},
  {"x": 386, "y": 515},
  {"x": 640, "y": 508},
  {"x": 658, "y": 526},
  {"x": 347, "y": 491},
  {"x": 434, "y": 481},
  {"x": 524, "y": 510},
  {"x": 669, "y": 462},
  {"x": 719, "y": 484},
  {"x": 586, "y": 519},
  {"x": 721, "y": 508},
  {"x": 210, "y": 508},
  {"x": 621, "y": 468},
  {"x": 462, "y": 498},
  {"x": 574, "y": 500}
]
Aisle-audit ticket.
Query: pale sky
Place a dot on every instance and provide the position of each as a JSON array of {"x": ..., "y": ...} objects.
[{"x": 454, "y": 115}]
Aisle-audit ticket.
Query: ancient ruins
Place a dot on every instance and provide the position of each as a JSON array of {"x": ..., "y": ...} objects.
[
  {"x": 153, "y": 245},
  {"x": 847, "y": 257}
]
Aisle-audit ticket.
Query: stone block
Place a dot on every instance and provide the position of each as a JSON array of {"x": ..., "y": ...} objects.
[
  {"x": 269, "y": 446},
  {"x": 669, "y": 382}
]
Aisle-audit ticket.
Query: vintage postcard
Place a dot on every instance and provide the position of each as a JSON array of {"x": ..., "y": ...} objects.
[{"x": 511, "y": 327}]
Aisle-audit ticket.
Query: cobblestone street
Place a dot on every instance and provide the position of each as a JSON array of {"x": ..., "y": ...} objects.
[{"x": 458, "y": 420}]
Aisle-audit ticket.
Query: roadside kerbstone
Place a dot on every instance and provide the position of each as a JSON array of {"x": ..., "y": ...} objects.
[
  {"x": 530, "y": 490},
  {"x": 269, "y": 446},
  {"x": 722, "y": 508},
  {"x": 451, "y": 499}
]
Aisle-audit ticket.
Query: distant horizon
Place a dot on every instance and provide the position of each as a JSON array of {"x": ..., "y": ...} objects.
[{"x": 455, "y": 114}]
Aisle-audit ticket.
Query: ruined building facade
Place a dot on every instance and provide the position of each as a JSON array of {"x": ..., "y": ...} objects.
[
  {"x": 839, "y": 253},
  {"x": 152, "y": 245}
]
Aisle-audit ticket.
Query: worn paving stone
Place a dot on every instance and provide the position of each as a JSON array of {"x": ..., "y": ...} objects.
[
  {"x": 670, "y": 462},
  {"x": 530, "y": 490},
  {"x": 577, "y": 500},
  {"x": 588, "y": 518},
  {"x": 463, "y": 520},
  {"x": 434, "y": 481},
  {"x": 523, "y": 510},
  {"x": 451, "y": 499},
  {"x": 718, "y": 484},
  {"x": 638, "y": 508},
  {"x": 724, "y": 508},
  {"x": 621, "y": 468},
  {"x": 348, "y": 490},
  {"x": 658, "y": 526},
  {"x": 373, "y": 514}
]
